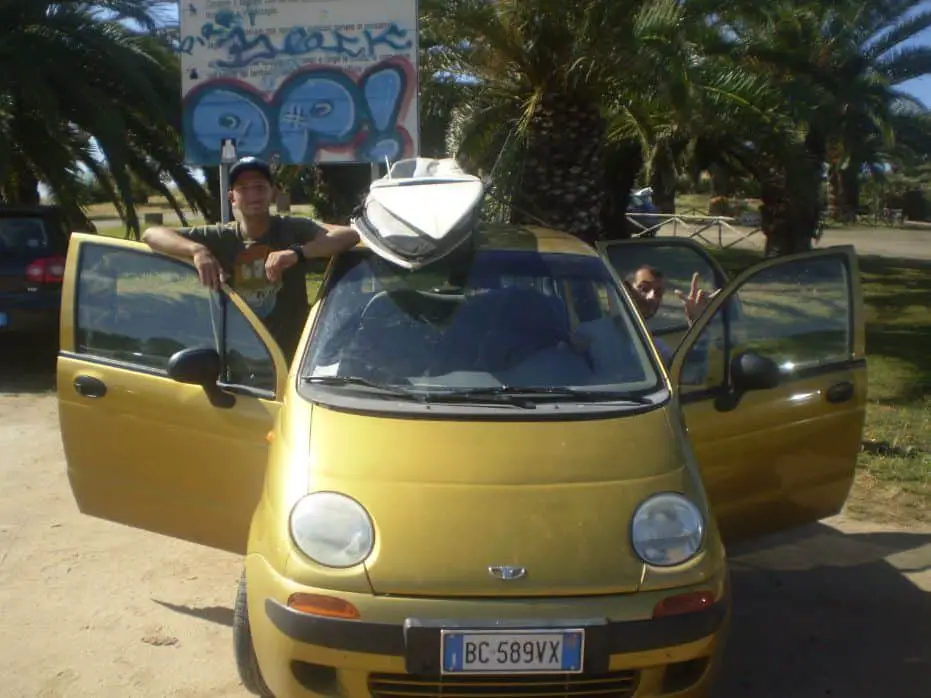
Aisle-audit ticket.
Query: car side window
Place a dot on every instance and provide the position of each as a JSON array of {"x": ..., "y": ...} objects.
[
  {"x": 677, "y": 263},
  {"x": 798, "y": 314},
  {"x": 248, "y": 361},
  {"x": 140, "y": 309}
]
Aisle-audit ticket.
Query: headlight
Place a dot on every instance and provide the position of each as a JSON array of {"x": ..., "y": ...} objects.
[
  {"x": 667, "y": 530},
  {"x": 332, "y": 529}
]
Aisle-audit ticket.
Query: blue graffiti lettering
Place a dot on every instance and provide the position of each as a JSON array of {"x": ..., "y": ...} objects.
[
  {"x": 299, "y": 43},
  {"x": 242, "y": 50},
  {"x": 238, "y": 46},
  {"x": 187, "y": 44},
  {"x": 387, "y": 38},
  {"x": 225, "y": 112},
  {"x": 313, "y": 110}
]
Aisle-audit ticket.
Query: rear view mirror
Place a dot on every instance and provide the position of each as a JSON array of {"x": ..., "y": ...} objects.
[
  {"x": 751, "y": 371},
  {"x": 195, "y": 366}
]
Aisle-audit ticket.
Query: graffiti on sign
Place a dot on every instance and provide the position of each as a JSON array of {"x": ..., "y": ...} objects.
[{"x": 344, "y": 91}]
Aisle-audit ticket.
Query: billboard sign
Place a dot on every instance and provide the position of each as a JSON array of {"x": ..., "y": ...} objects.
[{"x": 299, "y": 81}]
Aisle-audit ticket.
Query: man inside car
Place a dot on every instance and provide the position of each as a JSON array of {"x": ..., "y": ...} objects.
[
  {"x": 648, "y": 287},
  {"x": 261, "y": 255}
]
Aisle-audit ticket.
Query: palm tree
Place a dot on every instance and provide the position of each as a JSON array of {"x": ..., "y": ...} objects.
[
  {"x": 79, "y": 87},
  {"x": 543, "y": 75},
  {"x": 838, "y": 66}
]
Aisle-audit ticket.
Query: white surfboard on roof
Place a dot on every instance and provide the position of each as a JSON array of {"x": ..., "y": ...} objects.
[{"x": 421, "y": 211}]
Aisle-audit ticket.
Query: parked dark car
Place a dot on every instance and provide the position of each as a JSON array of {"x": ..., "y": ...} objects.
[{"x": 33, "y": 245}]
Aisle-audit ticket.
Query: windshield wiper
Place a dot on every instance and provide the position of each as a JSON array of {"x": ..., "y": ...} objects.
[
  {"x": 538, "y": 393},
  {"x": 362, "y": 382}
]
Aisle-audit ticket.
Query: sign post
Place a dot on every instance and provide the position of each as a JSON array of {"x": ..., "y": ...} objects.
[{"x": 227, "y": 158}]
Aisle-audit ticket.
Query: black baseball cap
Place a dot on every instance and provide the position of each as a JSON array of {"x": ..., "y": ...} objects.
[{"x": 250, "y": 164}]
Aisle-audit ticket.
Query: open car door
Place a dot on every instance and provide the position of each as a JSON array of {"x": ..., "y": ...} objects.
[
  {"x": 772, "y": 382},
  {"x": 166, "y": 391}
]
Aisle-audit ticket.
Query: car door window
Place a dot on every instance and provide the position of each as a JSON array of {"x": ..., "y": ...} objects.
[
  {"x": 248, "y": 362},
  {"x": 677, "y": 261},
  {"x": 140, "y": 309},
  {"x": 797, "y": 313}
]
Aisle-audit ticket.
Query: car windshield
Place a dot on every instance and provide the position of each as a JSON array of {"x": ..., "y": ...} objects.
[
  {"x": 20, "y": 236},
  {"x": 499, "y": 320}
]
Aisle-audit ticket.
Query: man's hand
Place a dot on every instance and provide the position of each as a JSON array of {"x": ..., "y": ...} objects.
[
  {"x": 208, "y": 269},
  {"x": 277, "y": 262},
  {"x": 696, "y": 300}
]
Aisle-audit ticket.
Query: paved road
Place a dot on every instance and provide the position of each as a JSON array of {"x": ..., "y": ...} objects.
[{"x": 885, "y": 242}]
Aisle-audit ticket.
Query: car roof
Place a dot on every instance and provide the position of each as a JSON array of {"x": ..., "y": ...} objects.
[{"x": 510, "y": 237}]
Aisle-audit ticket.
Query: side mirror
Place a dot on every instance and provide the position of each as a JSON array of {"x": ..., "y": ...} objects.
[
  {"x": 195, "y": 366},
  {"x": 750, "y": 371},
  {"x": 201, "y": 366}
]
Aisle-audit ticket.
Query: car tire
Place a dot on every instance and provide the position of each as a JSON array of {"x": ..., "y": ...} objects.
[{"x": 246, "y": 662}]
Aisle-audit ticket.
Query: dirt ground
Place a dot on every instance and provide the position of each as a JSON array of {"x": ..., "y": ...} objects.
[{"x": 92, "y": 609}]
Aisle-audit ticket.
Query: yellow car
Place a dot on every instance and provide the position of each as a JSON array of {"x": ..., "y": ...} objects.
[{"x": 474, "y": 479}]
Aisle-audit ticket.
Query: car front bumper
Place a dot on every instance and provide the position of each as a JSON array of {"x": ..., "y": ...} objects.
[{"x": 394, "y": 650}]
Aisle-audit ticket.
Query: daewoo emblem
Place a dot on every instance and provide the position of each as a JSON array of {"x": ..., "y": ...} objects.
[{"x": 506, "y": 572}]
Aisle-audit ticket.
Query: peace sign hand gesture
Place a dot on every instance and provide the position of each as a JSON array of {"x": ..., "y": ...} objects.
[{"x": 697, "y": 299}]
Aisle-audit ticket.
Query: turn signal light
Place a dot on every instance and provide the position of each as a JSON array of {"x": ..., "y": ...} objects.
[
  {"x": 319, "y": 605},
  {"x": 684, "y": 603}
]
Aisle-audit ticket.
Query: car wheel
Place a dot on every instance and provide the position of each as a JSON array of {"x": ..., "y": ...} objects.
[{"x": 246, "y": 662}]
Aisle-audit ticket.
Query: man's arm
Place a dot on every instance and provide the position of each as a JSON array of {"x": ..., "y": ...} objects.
[
  {"x": 170, "y": 241},
  {"x": 331, "y": 240},
  {"x": 190, "y": 244},
  {"x": 317, "y": 241}
]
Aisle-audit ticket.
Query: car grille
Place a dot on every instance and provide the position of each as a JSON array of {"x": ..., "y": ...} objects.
[{"x": 618, "y": 684}]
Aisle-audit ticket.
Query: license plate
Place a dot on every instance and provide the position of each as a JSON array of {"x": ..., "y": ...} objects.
[
  {"x": 512, "y": 652},
  {"x": 4, "y": 320}
]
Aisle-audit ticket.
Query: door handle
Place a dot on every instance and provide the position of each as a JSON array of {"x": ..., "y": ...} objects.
[
  {"x": 839, "y": 392},
  {"x": 88, "y": 386}
]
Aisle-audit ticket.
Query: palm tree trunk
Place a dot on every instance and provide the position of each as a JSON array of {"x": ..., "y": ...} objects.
[
  {"x": 562, "y": 170},
  {"x": 663, "y": 179},
  {"x": 790, "y": 207},
  {"x": 212, "y": 179},
  {"x": 622, "y": 164},
  {"x": 834, "y": 195},
  {"x": 849, "y": 192},
  {"x": 720, "y": 181}
]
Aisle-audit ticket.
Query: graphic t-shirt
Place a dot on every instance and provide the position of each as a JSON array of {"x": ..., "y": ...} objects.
[{"x": 282, "y": 305}]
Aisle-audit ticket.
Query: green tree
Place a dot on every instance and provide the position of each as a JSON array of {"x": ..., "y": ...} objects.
[
  {"x": 838, "y": 64},
  {"x": 78, "y": 86},
  {"x": 543, "y": 75}
]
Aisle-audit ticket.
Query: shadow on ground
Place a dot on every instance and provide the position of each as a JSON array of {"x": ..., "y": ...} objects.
[
  {"x": 823, "y": 613},
  {"x": 212, "y": 614},
  {"x": 27, "y": 364}
]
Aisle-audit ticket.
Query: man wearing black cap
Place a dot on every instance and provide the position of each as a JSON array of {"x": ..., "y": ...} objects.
[{"x": 258, "y": 254}]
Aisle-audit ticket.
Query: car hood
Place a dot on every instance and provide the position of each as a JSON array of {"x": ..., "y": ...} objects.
[{"x": 452, "y": 499}]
